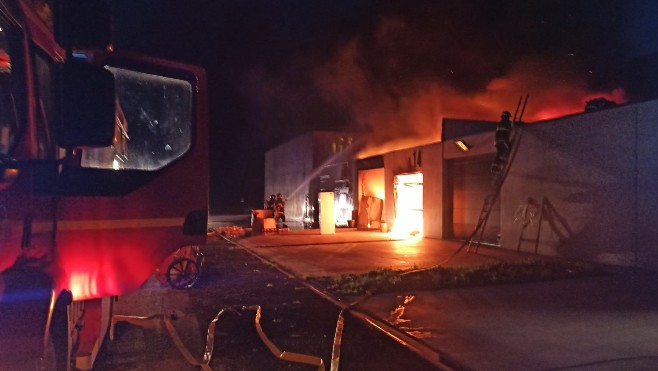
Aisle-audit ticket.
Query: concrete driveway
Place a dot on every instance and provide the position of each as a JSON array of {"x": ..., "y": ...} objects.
[
  {"x": 607, "y": 322},
  {"x": 308, "y": 253}
]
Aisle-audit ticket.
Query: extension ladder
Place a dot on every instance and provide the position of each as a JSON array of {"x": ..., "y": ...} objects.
[{"x": 475, "y": 239}]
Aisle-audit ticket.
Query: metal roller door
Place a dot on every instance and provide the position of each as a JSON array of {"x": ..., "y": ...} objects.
[{"x": 469, "y": 182}]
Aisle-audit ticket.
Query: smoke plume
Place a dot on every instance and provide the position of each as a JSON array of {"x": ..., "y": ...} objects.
[{"x": 377, "y": 78}]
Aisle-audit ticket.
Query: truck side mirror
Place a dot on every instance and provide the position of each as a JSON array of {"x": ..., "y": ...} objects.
[{"x": 87, "y": 106}]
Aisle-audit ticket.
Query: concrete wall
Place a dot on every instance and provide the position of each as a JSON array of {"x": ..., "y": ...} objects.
[
  {"x": 588, "y": 183},
  {"x": 287, "y": 171},
  {"x": 433, "y": 190},
  {"x": 647, "y": 184},
  {"x": 480, "y": 145}
]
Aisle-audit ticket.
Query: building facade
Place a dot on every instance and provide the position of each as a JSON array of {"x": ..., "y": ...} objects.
[
  {"x": 582, "y": 186},
  {"x": 306, "y": 165},
  {"x": 589, "y": 185}
]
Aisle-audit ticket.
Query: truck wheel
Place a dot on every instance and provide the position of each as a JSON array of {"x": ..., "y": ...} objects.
[{"x": 182, "y": 273}]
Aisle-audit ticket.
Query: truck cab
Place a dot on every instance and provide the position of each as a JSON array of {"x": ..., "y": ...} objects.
[{"x": 103, "y": 174}]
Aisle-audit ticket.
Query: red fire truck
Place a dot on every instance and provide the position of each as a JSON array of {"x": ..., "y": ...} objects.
[{"x": 103, "y": 174}]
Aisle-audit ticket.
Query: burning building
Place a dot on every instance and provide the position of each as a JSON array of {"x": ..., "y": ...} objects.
[
  {"x": 580, "y": 186},
  {"x": 436, "y": 190}
]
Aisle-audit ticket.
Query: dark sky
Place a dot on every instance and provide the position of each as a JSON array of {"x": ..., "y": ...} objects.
[{"x": 277, "y": 69}]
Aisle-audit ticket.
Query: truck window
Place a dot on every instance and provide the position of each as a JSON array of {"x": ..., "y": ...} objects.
[
  {"x": 9, "y": 124},
  {"x": 153, "y": 123}
]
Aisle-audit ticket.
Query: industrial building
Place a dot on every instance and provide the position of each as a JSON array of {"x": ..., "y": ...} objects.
[
  {"x": 581, "y": 186},
  {"x": 306, "y": 165}
]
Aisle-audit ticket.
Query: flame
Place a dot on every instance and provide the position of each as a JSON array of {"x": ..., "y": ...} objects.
[
  {"x": 408, "y": 225},
  {"x": 371, "y": 183},
  {"x": 408, "y": 206},
  {"x": 616, "y": 95}
]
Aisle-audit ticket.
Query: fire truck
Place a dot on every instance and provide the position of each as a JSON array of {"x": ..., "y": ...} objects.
[{"x": 103, "y": 174}]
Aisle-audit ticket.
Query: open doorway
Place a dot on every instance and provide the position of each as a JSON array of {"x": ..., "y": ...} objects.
[
  {"x": 371, "y": 198},
  {"x": 408, "y": 191}
]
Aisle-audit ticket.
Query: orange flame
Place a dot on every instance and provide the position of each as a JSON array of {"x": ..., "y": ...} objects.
[{"x": 409, "y": 206}]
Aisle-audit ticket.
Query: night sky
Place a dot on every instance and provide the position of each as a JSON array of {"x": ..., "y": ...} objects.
[{"x": 277, "y": 69}]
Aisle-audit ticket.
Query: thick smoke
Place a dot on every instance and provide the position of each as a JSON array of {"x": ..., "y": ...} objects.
[{"x": 400, "y": 80}]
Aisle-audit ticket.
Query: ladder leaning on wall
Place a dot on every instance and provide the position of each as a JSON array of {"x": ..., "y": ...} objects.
[{"x": 475, "y": 238}]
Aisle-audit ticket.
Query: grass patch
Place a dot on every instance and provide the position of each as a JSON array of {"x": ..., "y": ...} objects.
[{"x": 387, "y": 280}]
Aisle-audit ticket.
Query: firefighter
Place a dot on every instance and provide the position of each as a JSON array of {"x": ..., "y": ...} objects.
[
  {"x": 279, "y": 209},
  {"x": 270, "y": 202},
  {"x": 502, "y": 141}
]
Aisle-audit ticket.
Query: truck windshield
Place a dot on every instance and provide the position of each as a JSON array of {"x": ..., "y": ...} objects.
[{"x": 153, "y": 123}]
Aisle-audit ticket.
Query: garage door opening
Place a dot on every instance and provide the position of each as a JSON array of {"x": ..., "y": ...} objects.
[
  {"x": 408, "y": 192},
  {"x": 468, "y": 186}
]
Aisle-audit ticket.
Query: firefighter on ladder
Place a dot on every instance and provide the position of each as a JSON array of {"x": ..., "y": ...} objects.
[{"x": 502, "y": 141}]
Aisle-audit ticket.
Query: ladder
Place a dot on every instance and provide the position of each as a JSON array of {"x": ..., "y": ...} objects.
[
  {"x": 528, "y": 212},
  {"x": 546, "y": 212},
  {"x": 475, "y": 238}
]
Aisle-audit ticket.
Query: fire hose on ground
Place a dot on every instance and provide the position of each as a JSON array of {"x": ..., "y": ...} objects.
[
  {"x": 204, "y": 364},
  {"x": 409, "y": 342}
]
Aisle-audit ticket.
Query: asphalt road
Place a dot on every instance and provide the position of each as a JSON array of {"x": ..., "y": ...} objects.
[{"x": 294, "y": 318}]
